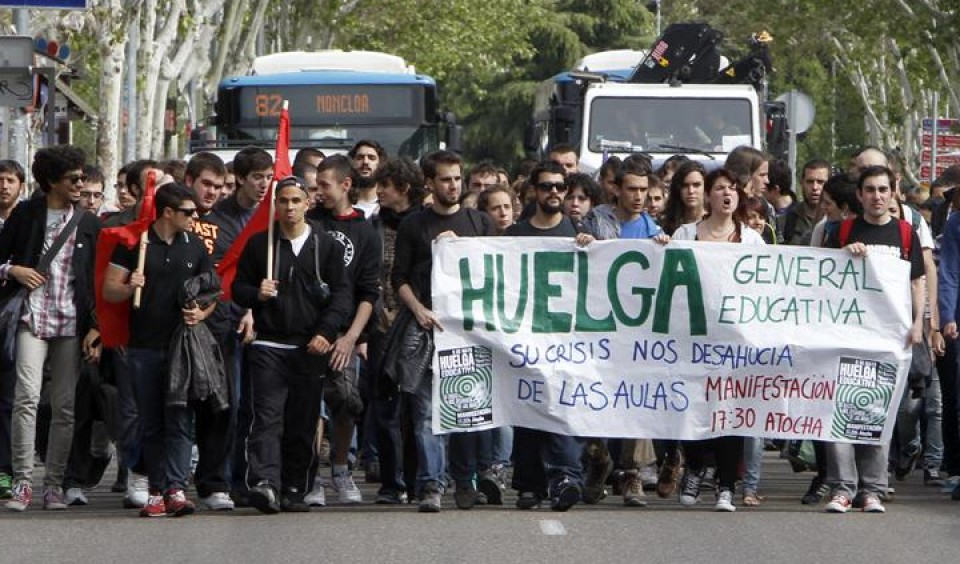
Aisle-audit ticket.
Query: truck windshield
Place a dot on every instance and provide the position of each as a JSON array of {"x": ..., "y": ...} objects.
[{"x": 646, "y": 124}]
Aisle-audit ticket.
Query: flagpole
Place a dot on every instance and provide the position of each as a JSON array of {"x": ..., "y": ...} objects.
[
  {"x": 142, "y": 256},
  {"x": 273, "y": 211}
]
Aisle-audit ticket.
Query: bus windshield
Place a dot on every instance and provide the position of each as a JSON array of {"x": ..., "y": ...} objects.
[{"x": 666, "y": 124}]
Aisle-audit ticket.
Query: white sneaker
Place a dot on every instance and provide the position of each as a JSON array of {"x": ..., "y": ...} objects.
[
  {"x": 648, "y": 476},
  {"x": 75, "y": 496},
  {"x": 725, "y": 502},
  {"x": 346, "y": 489},
  {"x": 839, "y": 504},
  {"x": 138, "y": 490},
  {"x": 218, "y": 501},
  {"x": 317, "y": 496},
  {"x": 871, "y": 504}
]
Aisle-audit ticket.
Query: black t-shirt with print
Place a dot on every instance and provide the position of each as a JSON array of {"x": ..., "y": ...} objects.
[{"x": 884, "y": 239}]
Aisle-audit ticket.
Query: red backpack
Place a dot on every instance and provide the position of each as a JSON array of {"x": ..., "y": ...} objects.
[{"x": 906, "y": 236}]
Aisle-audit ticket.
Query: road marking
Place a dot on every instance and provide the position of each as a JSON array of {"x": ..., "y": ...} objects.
[{"x": 552, "y": 527}]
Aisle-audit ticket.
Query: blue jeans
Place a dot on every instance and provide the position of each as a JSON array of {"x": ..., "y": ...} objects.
[
  {"x": 752, "y": 458},
  {"x": 166, "y": 430},
  {"x": 502, "y": 445},
  {"x": 431, "y": 455},
  {"x": 541, "y": 459}
]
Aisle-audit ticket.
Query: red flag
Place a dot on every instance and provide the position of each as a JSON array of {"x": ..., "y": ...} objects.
[
  {"x": 227, "y": 269},
  {"x": 114, "y": 319}
]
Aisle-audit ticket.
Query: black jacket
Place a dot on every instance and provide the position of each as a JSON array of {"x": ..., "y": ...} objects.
[
  {"x": 362, "y": 252},
  {"x": 21, "y": 243},
  {"x": 297, "y": 313}
]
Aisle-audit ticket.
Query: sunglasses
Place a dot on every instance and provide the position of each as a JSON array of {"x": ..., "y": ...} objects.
[
  {"x": 75, "y": 178},
  {"x": 550, "y": 186},
  {"x": 189, "y": 212}
]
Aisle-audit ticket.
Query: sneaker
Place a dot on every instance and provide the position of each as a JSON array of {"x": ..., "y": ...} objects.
[
  {"x": 595, "y": 478},
  {"x": 154, "y": 507},
  {"x": 950, "y": 484},
  {"x": 6, "y": 486},
  {"x": 466, "y": 495},
  {"x": 263, "y": 496},
  {"x": 294, "y": 502},
  {"x": 648, "y": 477},
  {"x": 668, "y": 478},
  {"x": 53, "y": 498},
  {"x": 725, "y": 502},
  {"x": 814, "y": 493},
  {"x": 839, "y": 504},
  {"x": 22, "y": 496},
  {"x": 75, "y": 496},
  {"x": 318, "y": 494},
  {"x": 690, "y": 494},
  {"x": 480, "y": 499},
  {"x": 528, "y": 500},
  {"x": 347, "y": 490},
  {"x": 633, "y": 495},
  {"x": 932, "y": 477},
  {"x": 871, "y": 504},
  {"x": 491, "y": 484},
  {"x": 371, "y": 472},
  {"x": 709, "y": 478},
  {"x": 138, "y": 491},
  {"x": 430, "y": 499},
  {"x": 903, "y": 470},
  {"x": 218, "y": 501},
  {"x": 565, "y": 494},
  {"x": 387, "y": 497},
  {"x": 177, "y": 503}
]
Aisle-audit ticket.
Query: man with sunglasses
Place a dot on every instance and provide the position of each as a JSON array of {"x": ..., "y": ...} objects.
[
  {"x": 57, "y": 321},
  {"x": 546, "y": 465},
  {"x": 173, "y": 255}
]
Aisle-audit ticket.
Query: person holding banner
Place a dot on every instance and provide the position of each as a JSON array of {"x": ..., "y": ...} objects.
[
  {"x": 547, "y": 465},
  {"x": 47, "y": 249},
  {"x": 411, "y": 278},
  {"x": 864, "y": 466},
  {"x": 626, "y": 218},
  {"x": 173, "y": 255},
  {"x": 725, "y": 223},
  {"x": 299, "y": 307}
]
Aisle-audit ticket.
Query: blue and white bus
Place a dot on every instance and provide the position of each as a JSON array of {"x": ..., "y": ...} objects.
[{"x": 336, "y": 98}]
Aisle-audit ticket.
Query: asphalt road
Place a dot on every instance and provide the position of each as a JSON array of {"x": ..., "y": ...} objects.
[{"x": 921, "y": 525}]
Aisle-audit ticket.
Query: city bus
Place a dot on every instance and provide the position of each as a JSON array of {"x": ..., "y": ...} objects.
[{"x": 336, "y": 98}]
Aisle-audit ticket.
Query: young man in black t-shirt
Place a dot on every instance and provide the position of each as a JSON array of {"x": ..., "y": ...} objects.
[
  {"x": 547, "y": 465},
  {"x": 173, "y": 255},
  {"x": 411, "y": 278},
  {"x": 874, "y": 232}
]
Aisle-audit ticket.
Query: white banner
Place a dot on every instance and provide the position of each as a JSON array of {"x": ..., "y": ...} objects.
[{"x": 685, "y": 341}]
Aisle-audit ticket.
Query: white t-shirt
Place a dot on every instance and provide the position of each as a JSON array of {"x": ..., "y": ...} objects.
[{"x": 688, "y": 232}]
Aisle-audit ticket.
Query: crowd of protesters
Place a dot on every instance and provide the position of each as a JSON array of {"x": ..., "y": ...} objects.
[{"x": 315, "y": 351}]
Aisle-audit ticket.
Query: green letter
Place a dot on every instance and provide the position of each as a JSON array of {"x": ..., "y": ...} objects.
[
  {"x": 584, "y": 321},
  {"x": 483, "y": 294},
  {"x": 512, "y": 324},
  {"x": 544, "y": 320},
  {"x": 680, "y": 269},
  {"x": 614, "y": 294}
]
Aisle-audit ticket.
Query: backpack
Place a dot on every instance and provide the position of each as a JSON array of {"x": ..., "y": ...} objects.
[{"x": 906, "y": 236}]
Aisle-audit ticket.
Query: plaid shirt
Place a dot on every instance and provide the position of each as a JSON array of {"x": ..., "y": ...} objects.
[{"x": 50, "y": 310}]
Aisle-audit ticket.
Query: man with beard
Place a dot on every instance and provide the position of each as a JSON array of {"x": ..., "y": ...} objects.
[
  {"x": 547, "y": 465},
  {"x": 799, "y": 221},
  {"x": 367, "y": 156},
  {"x": 411, "y": 278}
]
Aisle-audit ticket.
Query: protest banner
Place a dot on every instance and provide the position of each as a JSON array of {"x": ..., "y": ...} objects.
[{"x": 685, "y": 341}]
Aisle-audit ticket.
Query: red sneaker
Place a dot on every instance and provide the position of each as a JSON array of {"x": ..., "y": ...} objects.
[
  {"x": 154, "y": 507},
  {"x": 22, "y": 496},
  {"x": 177, "y": 503}
]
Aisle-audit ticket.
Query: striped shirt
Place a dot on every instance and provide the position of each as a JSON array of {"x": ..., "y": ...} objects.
[{"x": 50, "y": 310}]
